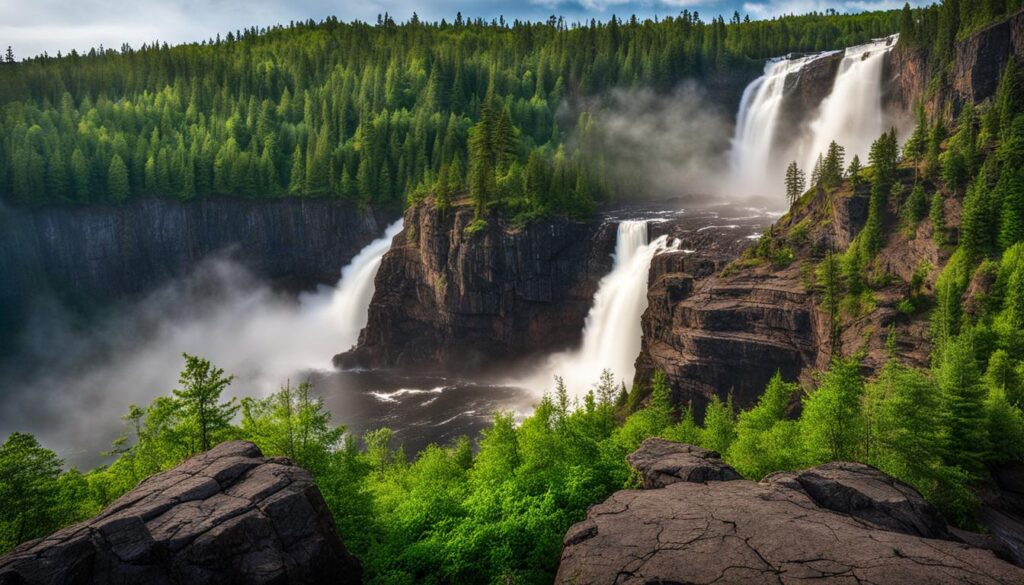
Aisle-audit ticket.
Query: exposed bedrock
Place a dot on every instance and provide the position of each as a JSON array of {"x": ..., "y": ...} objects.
[
  {"x": 445, "y": 298},
  {"x": 226, "y": 516},
  {"x": 835, "y": 523}
]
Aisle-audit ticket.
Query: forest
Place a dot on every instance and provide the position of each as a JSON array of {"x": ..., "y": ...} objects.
[
  {"x": 277, "y": 115},
  {"x": 374, "y": 113}
]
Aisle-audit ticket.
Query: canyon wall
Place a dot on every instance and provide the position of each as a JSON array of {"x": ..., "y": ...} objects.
[
  {"x": 90, "y": 257},
  {"x": 448, "y": 298}
]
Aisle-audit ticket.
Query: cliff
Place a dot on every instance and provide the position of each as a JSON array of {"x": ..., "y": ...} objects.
[
  {"x": 835, "y": 523},
  {"x": 978, "y": 62},
  {"x": 225, "y": 516},
  {"x": 447, "y": 298},
  {"x": 729, "y": 332},
  {"x": 87, "y": 257}
]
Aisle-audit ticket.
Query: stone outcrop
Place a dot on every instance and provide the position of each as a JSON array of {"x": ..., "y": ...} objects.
[
  {"x": 448, "y": 298},
  {"x": 836, "y": 523},
  {"x": 88, "y": 257},
  {"x": 661, "y": 463},
  {"x": 978, "y": 62},
  {"x": 226, "y": 516},
  {"x": 980, "y": 59},
  {"x": 1002, "y": 508}
]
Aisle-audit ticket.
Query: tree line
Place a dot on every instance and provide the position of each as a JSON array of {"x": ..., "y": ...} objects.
[{"x": 370, "y": 113}]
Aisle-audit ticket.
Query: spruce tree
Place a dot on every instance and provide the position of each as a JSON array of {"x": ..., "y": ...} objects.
[{"x": 117, "y": 179}]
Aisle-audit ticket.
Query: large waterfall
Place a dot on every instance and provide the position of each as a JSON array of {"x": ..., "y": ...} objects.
[
  {"x": 612, "y": 333},
  {"x": 754, "y": 159},
  {"x": 851, "y": 115}
]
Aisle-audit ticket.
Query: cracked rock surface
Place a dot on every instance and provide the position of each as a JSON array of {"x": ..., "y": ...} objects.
[
  {"x": 662, "y": 463},
  {"x": 225, "y": 516},
  {"x": 836, "y": 523}
]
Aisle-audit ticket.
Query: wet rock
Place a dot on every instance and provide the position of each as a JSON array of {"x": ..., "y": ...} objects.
[{"x": 225, "y": 516}]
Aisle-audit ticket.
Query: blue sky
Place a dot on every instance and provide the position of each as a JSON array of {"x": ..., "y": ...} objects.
[{"x": 34, "y": 26}]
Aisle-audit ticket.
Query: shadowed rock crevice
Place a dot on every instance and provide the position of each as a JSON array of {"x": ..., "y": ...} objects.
[{"x": 227, "y": 515}]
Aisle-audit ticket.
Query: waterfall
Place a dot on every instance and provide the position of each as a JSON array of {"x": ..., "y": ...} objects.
[
  {"x": 852, "y": 113},
  {"x": 347, "y": 304},
  {"x": 753, "y": 158},
  {"x": 612, "y": 333}
]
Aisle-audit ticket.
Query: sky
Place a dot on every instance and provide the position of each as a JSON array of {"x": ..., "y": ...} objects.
[{"x": 32, "y": 27}]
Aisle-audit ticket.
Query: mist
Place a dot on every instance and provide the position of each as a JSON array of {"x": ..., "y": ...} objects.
[
  {"x": 70, "y": 381},
  {"x": 664, "y": 145}
]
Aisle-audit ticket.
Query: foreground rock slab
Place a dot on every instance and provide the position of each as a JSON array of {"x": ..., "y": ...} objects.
[
  {"x": 837, "y": 523},
  {"x": 225, "y": 516}
]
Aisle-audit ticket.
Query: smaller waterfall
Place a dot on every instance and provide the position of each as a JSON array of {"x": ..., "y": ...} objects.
[
  {"x": 852, "y": 114},
  {"x": 349, "y": 301},
  {"x": 612, "y": 333}
]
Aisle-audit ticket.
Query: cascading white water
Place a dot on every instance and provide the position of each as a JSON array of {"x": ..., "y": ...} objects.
[
  {"x": 753, "y": 158},
  {"x": 851, "y": 115},
  {"x": 611, "y": 334}
]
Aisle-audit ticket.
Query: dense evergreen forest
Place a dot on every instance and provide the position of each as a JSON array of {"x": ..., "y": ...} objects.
[
  {"x": 371, "y": 113},
  {"x": 448, "y": 514}
]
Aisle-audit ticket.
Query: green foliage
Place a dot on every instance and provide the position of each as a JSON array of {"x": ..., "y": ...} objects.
[
  {"x": 796, "y": 183},
  {"x": 832, "y": 423},
  {"x": 368, "y": 113},
  {"x": 29, "y": 490},
  {"x": 204, "y": 419},
  {"x": 294, "y": 424},
  {"x": 765, "y": 440}
]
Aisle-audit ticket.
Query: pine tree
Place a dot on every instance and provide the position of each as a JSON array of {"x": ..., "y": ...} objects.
[
  {"x": 795, "y": 183},
  {"x": 117, "y": 179},
  {"x": 206, "y": 417},
  {"x": 854, "y": 172},
  {"x": 832, "y": 168}
]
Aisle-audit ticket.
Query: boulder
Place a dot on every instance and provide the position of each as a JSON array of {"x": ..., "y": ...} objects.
[
  {"x": 227, "y": 515},
  {"x": 836, "y": 523},
  {"x": 663, "y": 463},
  {"x": 865, "y": 493}
]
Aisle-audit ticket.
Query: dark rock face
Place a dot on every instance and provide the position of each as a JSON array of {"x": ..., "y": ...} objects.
[
  {"x": 980, "y": 59},
  {"x": 1002, "y": 508},
  {"x": 225, "y": 516},
  {"x": 977, "y": 67},
  {"x": 663, "y": 463},
  {"x": 860, "y": 527},
  {"x": 447, "y": 299},
  {"x": 90, "y": 256}
]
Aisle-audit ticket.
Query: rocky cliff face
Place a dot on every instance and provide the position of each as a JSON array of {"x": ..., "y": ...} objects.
[
  {"x": 226, "y": 516},
  {"x": 445, "y": 298},
  {"x": 836, "y": 523},
  {"x": 91, "y": 256},
  {"x": 728, "y": 331},
  {"x": 977, "y": 66}
]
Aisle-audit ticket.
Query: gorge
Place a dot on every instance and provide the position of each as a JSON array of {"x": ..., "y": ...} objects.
[{"x": 447, "y": 393}]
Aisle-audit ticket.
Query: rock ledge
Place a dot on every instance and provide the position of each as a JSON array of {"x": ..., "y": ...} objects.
[{"x": 227, "y": 515}]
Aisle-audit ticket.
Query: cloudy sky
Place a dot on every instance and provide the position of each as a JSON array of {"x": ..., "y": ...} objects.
[{"x": 35, "y": 26}]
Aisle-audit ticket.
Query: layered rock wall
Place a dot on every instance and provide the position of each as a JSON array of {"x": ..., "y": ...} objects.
[{"x": 446, "y": 298}]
